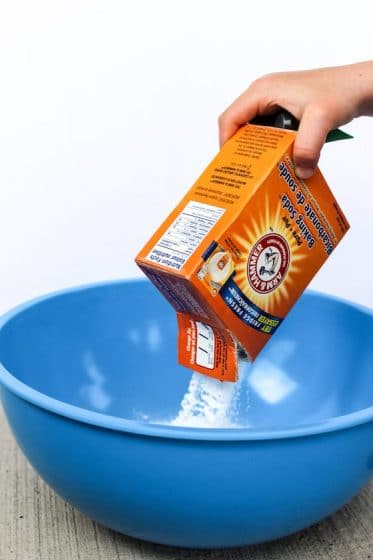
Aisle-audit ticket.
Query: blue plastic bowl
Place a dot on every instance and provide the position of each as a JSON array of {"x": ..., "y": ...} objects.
[{"x": 81, "y": 370}]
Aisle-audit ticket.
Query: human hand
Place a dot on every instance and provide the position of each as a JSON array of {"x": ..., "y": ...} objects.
[{"x": 320, "y": 99}]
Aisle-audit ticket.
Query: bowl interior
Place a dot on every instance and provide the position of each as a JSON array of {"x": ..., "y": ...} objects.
[{"x": 112, "y": 349}]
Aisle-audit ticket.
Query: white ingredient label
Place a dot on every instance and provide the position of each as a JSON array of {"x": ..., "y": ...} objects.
[
  {"x": 184, "y": 235},
  {"x": 205, "y": 353}
]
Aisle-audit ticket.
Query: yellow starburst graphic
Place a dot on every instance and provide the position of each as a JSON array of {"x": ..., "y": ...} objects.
[{"x": 268, "y": 221}]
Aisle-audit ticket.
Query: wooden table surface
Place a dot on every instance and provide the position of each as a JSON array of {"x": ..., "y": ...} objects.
[{"x": 36, "y": 524}]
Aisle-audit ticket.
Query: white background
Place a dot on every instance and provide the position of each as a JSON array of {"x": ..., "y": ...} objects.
[{"x": 108, "y": 113}]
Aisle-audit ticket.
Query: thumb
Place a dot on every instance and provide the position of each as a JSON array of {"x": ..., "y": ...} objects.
[{"x": 311, "y": 135}]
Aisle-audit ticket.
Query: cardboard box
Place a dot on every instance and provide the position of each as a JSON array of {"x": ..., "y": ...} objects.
[{"x": 240, "y": 248}]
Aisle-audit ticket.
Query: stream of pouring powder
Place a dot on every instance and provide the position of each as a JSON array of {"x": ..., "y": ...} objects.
[{"x": 209, "y": 403}]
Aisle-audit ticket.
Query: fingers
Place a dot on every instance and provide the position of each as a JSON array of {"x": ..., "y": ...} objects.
[
  {"x": 240, "y": 112},
  {"x": 313, "y": 129},
  {"x": 316, "y": 117}
]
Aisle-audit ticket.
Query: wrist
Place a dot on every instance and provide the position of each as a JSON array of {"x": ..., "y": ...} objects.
[{"x": 362, "y": 79}]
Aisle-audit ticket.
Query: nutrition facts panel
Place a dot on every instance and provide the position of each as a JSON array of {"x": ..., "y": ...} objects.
[{"x": 185, "y": 234}]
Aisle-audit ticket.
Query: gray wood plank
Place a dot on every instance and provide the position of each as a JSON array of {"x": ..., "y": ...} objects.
[{"x": 36, "y": 524}]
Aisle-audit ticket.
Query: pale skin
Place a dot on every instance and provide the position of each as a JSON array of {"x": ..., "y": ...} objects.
[{"x": 321, "y": 99}]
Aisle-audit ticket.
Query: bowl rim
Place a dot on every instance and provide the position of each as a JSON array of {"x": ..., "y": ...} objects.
[{"x": 141, "y": 428}]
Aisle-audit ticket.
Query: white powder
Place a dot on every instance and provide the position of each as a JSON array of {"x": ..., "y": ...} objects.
[{"x": 209, "y": 403}]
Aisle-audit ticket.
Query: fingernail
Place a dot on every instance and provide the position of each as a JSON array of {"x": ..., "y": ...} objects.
[{"x": 304, "y": 172}]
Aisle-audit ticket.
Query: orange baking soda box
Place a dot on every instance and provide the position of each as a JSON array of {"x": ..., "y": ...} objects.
[{"x": 240, "y": 248}]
